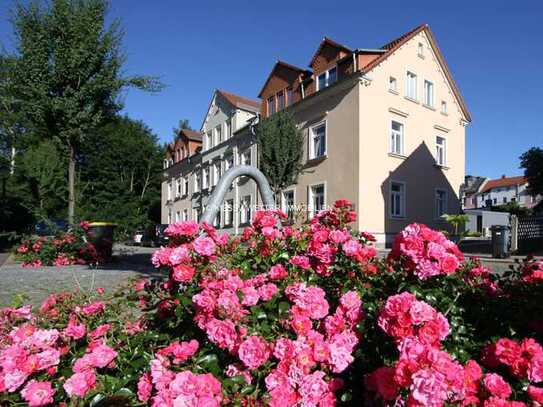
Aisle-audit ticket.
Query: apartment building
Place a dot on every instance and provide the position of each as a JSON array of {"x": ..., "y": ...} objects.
[
  {"x": 385, "y": 128},
  {"x": 226, "y": 138},
  {"x": 504, "y": 190}
]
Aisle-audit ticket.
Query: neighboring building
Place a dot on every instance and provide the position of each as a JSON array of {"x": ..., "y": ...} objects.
[
  {"x": 226, "y": 139},
  {"x": 469, "y": 189},
  {"x": 504, "y": 190},
  {"x": 385, "y": 128}
]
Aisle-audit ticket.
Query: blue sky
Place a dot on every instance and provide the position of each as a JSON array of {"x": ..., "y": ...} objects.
[{"x": 493, "y": 49}]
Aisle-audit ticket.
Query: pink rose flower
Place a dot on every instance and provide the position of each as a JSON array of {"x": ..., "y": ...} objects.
[
  {"x": 183, "y": 273},
  {"x": 204, "y": 246},
  {"x": 495, "y": 384},
  {"x": 80, "y": 384},
  {"x": 145, "y": 387},
  {"x": 38, "y": 394},
  {"x": 278, "y": 272},
  {"x": 254, "y": 352}
]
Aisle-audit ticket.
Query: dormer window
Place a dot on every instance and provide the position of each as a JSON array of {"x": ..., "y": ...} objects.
[
  {"x": 281, "y": 100},
  {"x": 289, "y": 96},
  {"x": 327, "y": 78}
]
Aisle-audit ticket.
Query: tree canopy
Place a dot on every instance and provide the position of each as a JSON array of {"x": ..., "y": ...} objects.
[
  {"x": 280, "y": 146},
  {"x": 68, "y": 72},
  {"x": 532, "y": 162}
]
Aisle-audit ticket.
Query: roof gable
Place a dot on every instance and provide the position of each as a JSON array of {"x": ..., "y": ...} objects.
[
  {"x": 328, "y": 43},
  {"x": 239, "y": 102},
  {"x": 286, "y": 71},
  {"x": 395, "y": 44}
]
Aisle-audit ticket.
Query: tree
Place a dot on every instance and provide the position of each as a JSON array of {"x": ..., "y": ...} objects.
[
  {"x": 280, "y": 146},
  {"x": 183, "y": 124},
  {"x": 120, "y": 177},
  {"x": 532, "y": 162},
  {"x": 69, "y": 73}
]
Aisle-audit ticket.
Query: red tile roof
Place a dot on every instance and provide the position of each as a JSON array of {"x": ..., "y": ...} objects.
[
  {"x": 240, "y": 101},
  {"x": 504, "y": 182},
  {"x": 328, "y": 41},
  {"x": 286, "y": 65}
]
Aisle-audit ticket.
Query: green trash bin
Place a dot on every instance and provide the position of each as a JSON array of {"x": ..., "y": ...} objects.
[{"x": 100, "y": 234}]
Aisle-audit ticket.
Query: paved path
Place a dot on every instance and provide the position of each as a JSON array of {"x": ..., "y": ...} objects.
[
  {"x": 38, "y": 283},
  {"x": 3, "y": 258}
]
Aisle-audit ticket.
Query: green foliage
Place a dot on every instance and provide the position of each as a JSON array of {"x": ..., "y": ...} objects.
[
  {"x": 121, "y": 175},
  {"x": 513, "y": 208},
  {"x": 280, "y": 150},
  {"x": 532, "y": 162},
  {"x": 183, "y": 124},
  {"x": 457, "y": 221}
]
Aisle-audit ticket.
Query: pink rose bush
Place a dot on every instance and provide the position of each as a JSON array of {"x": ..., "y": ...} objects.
[
  {"x": 64, "y": 249},
  {"x": 286, "y": 315}
]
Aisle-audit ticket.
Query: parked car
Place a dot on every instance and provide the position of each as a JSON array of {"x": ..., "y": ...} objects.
[{"x": 50, "y": 227}]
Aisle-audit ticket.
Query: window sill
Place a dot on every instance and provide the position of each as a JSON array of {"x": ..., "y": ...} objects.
[
  {"x": 398, "y": 217},
  {"x": 394, "y": 92},
  {"x": 421, "y": 56},
  {"x": 444, "y": 113},
  {"x": 442, "y": 167},
  {"x": 412, "y": 100},
  {"x": 429, "y": 107},
  {"x": 400, "y": 156},
  {"x": 315, "y": 161}
]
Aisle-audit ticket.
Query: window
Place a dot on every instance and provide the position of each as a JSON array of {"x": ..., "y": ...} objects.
[
  {"x": 287, "y": 203},
  {"x": 245, "y": 158},
  {"x": 443, "y": 107},
  {"x": 185, "y": 215},
  {"x": 289, "y": 96},
  {"x": 205, "y": 178},
  {"x": 327, "y": 78},
  {"x": 392, "y": 84},
  {"x": 217, "y": 220},
  {"x": 441, "y": 151},
  {"x": 316, "y": 199},
  {"x": 271, "y": 105},
  {"x": 228, "y": 163},
  {"x": 504, "y": 199},
  {"x": 428, "y": 93},
  {"x": 245, "y": 209},
  {"x": 396, "y": 138},
  {"x": 165, "y": 164},
  {"x": 420, "y": 49},
  {"x": 317, "y": 147},
  {"x": 281, "y": 100},
  {"x": 228, "y": 211},
  {"x": 185, "y": 185},
  {"x": 494, "y": 201},
  {"x": 218, "y": 134},
  {"x": 216, "y": 173},
  {"x": 197, "y": 182},
  {"x": 196, "y": 214},
  {"x": 441, "y": 203},
  {"x": 209, "y": 140},
  {"x": 228, "y": 129},
  {"x": 411, "y": 86},
  {"x": 169, "y": 191},
  {"x": 397, "y": 199},
  {"x": 169, "y": 216},
  {"x": 177, "y": 216},
  {"x": 178, "y": 188}
]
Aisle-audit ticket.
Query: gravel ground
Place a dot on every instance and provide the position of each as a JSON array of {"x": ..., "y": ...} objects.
[{"x": 38, "y": 283}]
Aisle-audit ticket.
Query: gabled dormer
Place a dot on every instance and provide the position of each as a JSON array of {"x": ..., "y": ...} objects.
[
  {"x": 226, "y": 114},
  {"x": 187, "y": 143},
  {"x": 282, "y": 87},
  {"x": 330, "y": 63}
]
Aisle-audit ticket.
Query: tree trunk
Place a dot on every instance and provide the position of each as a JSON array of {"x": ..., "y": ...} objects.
[
  {"x": 71, "y": 186},
  {"x": 12, "y": 160}
]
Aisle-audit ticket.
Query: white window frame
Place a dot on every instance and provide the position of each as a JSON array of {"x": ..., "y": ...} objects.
[
  {"x": 209, "y": 139},
  {"x": 185, "y": 215},
  {"x": 411, "y": 84},
  {"x": 403, "y": 199},
  {"x": 428, "y": 93},
  {"x": 185, "y": 186},
  {"x": 178, "y": 191},
  {"x": 312, "y": 136},
  {"x": 311, "y": 197},
  {"x": 227, "y": 164},
  {"x": 393, "y": 135},
  {"x": 177, "y": 216},
  {"x": 245, "y": 210},
  {"x": 284, "y": 207},
  {"x": 206, "y": 178},
  {"x": 169, "y": 187},
  {"x": 197, "y": 181},
  {"x": 245, "y": 157},
  {"x": 217, "y": 134},
  {"x": 169, "y": 216},
  {"x": 228, "y": 217},
  {"x": 444, "y": 107},
  {"x": 227, "y": 129},
  {"x": 393, "y": 84},
  {"x": 326, "y": 74},
  {"x": 216, "y": 169},
  {"x": 445, "y": 203},
  {"x": 443, "y": 148}
]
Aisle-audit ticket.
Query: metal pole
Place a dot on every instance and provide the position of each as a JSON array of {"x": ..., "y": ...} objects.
[{"x": 215, "y": 200}]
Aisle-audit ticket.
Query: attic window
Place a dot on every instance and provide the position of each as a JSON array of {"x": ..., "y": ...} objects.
[{"x": 421, "y": 50}]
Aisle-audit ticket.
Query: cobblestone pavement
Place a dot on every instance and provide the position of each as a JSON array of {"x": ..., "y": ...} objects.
[{"x": 38, "y": 283}]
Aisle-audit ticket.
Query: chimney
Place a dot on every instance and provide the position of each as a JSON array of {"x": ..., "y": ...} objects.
[{"x": 503, "y": 176}]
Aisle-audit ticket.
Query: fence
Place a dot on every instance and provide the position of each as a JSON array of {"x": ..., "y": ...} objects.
[{"x": 530, "y": 233}]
